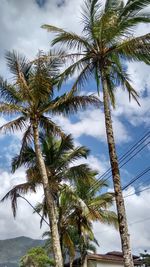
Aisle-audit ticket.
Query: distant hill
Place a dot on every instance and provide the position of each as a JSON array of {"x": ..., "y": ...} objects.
[{"x": 11, "y": 250}]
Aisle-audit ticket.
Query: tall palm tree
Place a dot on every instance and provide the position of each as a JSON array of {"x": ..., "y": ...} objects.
[
  {"x": 32, "y": 97},
  {"x": 107, "y": 43}
]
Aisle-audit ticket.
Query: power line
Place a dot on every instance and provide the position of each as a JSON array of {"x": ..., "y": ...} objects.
[
  {"x": 18, "y": 195},
  {"x": 131, "y": 182},
  {"x": 136, "y": 192},
  {"x": 123, "y": 157},
  {"x": 136, "y": 178},
  {"x": 143, "y": 220},
  {"x": 130, "y": 224}
]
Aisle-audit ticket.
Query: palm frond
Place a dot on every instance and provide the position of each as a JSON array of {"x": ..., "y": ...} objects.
[
  {"x": 103, "y": 201},
  {"x": 26, "y": 155},
  {"x": 123, "y": 80},
  {"x": 65, "y": 145},
  {"x": 17, "y": 64},
  {"x": 82, "y": 68},
  {"x": 133, "y": 7},
  {"x": 107, "y": 217},
  {"x": 77, "y": 153},
  {"x": 13, "y": 194},
  {"x": 71, "y": 41},
  {"x": 71, "y": 104},
  {"x": 81, "y": 173},
  {"x": 8, "y": 92},
  {"x": 33, "y": 175},
  {"x": 10, "y": 109},
  {"x": 41, "y": 84},
  {"x": 50, "y": 127},
  {"x": 69, "y": 244},
  {"x": 26, "y": 158},
  {"x": 51, "y": 28},
  {"x": 91, "y": 12},
  {"x": 41, "y": 207},
  {"x": 17, "y": 124}
]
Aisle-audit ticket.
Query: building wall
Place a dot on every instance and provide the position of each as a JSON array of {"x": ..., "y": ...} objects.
[
  {"x": 103, "y": 264},
  {"x": 92, "y": 263}
]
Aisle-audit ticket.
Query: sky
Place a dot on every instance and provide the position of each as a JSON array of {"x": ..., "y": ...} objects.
[{"x": 20, "y": 27}]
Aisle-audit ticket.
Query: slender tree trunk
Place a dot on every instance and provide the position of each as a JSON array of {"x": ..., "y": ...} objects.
[
  {"x": 49, "y": 200},
  {"x": 123, "y": 226}
]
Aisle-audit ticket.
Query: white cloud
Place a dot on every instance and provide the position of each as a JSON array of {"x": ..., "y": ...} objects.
[
  {"x": 21, "y": 22},
  {"x": 138, "y": 209},
  {"x": 139, "y": 74},
  {"x": 91, "y": 123},
  {"x": 25, "y": 222}
]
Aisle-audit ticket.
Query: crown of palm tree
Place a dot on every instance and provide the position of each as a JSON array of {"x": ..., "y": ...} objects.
[
  {"x": 107, "y": 42},
  {"x": 32, "y": 95},
  {"x": 59, "y": 155},
  {"x": 77, "y": 210}
]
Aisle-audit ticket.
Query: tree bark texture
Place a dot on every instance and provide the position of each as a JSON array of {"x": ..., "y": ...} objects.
[
  {"x": 49, "y": 200},
  {"x": 123, "y": 226}
]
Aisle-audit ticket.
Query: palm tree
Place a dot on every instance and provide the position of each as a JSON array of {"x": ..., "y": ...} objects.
[
  {"x": 33, "y": 99},
  {"x": 59, "y": 154},
  {"x": 76, "y": 208},
  {"x": 107, "y": 43}
]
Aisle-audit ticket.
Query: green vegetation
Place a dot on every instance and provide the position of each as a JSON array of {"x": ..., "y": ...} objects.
[
  {"x": 145, "y": 259},
  {"x": 36, "y": 257}
]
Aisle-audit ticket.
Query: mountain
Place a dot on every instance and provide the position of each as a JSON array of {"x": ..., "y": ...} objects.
[{"x": 11, "y": 250}]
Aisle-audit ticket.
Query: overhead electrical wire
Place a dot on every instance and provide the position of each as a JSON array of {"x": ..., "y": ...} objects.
[
  {"x": 123, "y": 157},
  {"x": 137, "y": 177}
]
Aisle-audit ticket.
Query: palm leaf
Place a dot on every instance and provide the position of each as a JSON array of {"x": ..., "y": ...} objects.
[
  {"x": 137, "y": 49},
  {"x": 65, "y": 145},
  {"x": 17, "y": 64},
  {"x": 80, "y": 172},
  {"x": 91, "y": 12},
  {"x": 14, "y": 193},
  {"x": 50, "y": 127},
  {"x": 133, "y": 7},
  {"x": 72, "y": 41},
  {"x": 67, "y": 105},
  {"x": 10, "y": 109},
  {"x": 74, "y": 155},
  {"x": 26, "y": 158},
  {"x": 17, "y": 124},
  {"x": 26, "y": 154},
  {"x": 8, "y": 92},
  {"x": 51, "y": 28},
  {"x": 81, "y": 67}
]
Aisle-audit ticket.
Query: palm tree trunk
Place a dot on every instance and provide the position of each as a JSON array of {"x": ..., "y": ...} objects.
[
  {"x": 49, "y": 200},
  {"x": 123, "y": 226}
]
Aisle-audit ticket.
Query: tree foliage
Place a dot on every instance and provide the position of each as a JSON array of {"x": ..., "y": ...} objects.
[
  {"x": 36, "y": 257},
  {"x": 107, "y": 43}
]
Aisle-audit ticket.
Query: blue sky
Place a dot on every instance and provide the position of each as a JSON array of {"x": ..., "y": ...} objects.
[{"x": 20, "y": 23}]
